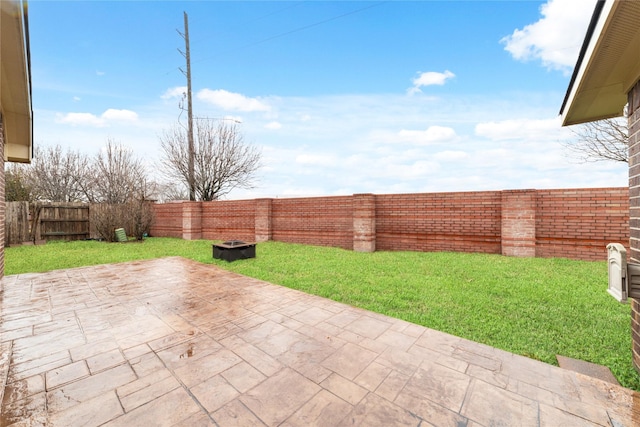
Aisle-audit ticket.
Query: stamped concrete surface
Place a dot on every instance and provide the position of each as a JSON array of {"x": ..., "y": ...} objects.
[{"x": 172, "y": 342}]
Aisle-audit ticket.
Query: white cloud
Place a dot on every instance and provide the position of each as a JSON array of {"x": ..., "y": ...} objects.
[
  {"x": 80, "y": 119},
  {"x": 174, "y": 92},
  {"x": 100, "y": 73},
  {"x": 430, "y": 78},
  {"x": 76, "y": 98},
  {"x": 432, "y": 135},
  {"x": 232, "y": 101},
  {"x": 273, "y": 125},
  {"x": 416, "y": 170},
  {"x": 433, "y": 78},
  {"x": 88, "y": 119},
  {"x": 324, "y": 160},
  {"x": 555, "y": 39},
  {"x": 526, "y": 129},
  {"x": 120, "y": 115},
  {"x": 451, "y": 156}
]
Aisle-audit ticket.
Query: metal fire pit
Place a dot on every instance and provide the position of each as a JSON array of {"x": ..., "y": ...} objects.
[{"x": 233, "y": 250}]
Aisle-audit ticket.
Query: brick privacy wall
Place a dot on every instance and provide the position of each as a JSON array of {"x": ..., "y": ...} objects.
[
  {"x": 192, "y": 220},
  {"x": 322, "y": 221},
  {"x": 578, "y": 224},
  {"x": 263, "y": 220},
  {"x": 2, "y": 202},
  {"x": 569, "y": 223},
  {"x": 364, "y": 222},
  {"x": 459, "y": 222},
  {"x": 167, "y": 220},
  {"x": 518, "y": 220},
  {"x": 634, "y": 209},
  {"x": 229, "y": 220}
]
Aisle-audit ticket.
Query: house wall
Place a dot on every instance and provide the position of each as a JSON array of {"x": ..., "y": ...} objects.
[
  {"x": 2, "y": 205},
  {"x": 569, "y": 223},
  {"x": 634, "y": 208}
]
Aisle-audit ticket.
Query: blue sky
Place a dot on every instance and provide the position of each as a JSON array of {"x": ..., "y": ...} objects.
[{"x": 340, "y": 97}]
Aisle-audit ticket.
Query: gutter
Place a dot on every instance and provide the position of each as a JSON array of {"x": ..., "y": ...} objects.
[
  {"x": 583, "y": 50},
  {"x": 25, "y": 19}
]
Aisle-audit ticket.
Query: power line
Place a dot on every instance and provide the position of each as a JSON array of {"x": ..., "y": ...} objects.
[
  {"x": 245, "y": 24},
  {"x": 297, "y": 30},
  {"x": 306, "y": 27},
  {"x": 242, "y": 24},
  {"x": 289, "y": 32}
]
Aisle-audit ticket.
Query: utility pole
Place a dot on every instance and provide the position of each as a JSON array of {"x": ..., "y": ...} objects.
[{"x": 187, "y": 55}]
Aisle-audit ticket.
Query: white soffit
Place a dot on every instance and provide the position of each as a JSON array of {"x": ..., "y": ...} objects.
[
  {"x": 609, "y": 67},
  {"x": 15, "y": 81}
]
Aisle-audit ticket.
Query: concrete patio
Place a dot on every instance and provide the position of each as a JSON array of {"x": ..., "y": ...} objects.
[{"x": 174, "y": 342}]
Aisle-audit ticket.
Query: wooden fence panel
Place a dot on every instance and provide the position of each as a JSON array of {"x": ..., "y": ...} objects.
[
  {"x": 16, "y": 223},
  {"x": 94, "y": 211},
  {"x": 64, "y": 221}
]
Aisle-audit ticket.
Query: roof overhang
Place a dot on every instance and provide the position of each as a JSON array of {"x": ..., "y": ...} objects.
[
  {"x": 15, "y": 81},
  {"x": 608, "y": 65}
]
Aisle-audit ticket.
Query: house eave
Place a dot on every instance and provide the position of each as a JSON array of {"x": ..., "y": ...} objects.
[
  {"x": 15, "y": 82},
  {"x": 608, "y": 66}
]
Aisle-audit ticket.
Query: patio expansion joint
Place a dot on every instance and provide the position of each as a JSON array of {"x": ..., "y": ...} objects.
[
  {"x": 75, "y": 315},
  {"x": 185, "y": 388},
  {"x": 467, "y": 395}
]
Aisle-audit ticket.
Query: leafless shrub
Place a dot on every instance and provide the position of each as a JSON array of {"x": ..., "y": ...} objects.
[
  {"x": 140, "y": 218},
  {"x": 106, "y": 218}
]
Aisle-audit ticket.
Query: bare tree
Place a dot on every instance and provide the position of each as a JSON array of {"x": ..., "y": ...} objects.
[
  {"x": 222, "y": 160},
  {"x": 117, "y": 176},
  {"x": 601, "y": 140},
  {"x": 114, "y": 177},
  {"x": 169, "y": 191},
  {"x": 119, "y": 184},
  {"x": 58, "y": 175},
  {"x": 16, "y": 185}
]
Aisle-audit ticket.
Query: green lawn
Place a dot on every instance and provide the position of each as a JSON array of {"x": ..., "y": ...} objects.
[{"x": 531, "y": 306}]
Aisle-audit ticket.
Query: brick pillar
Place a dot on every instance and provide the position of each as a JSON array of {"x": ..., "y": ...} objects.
[
  {"x": 519, "y": 223},
  {"x": 191, "y": 220},
  {"x": 2, "y": 205},
  {"x": 263, "y": 220},
  {"x": 634, "y": 210},
  {"x": 364, "y": 222}
]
